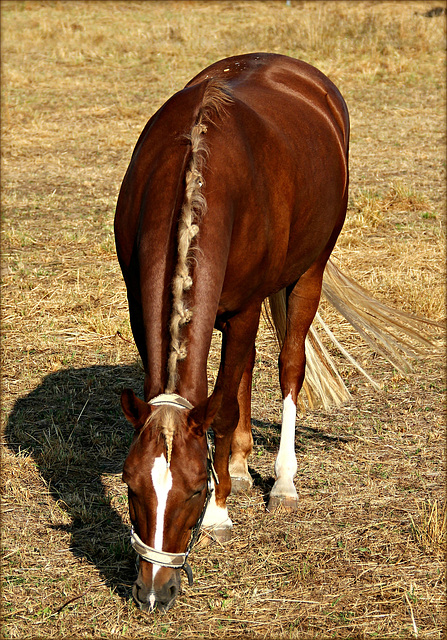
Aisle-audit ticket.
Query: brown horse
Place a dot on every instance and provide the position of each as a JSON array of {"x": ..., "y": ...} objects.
[{"x": 236, "y": 191}]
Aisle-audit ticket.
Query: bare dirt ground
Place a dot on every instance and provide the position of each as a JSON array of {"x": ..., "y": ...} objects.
[{"x": 364, "y": 554}]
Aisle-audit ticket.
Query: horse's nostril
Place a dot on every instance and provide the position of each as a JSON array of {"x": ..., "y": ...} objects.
[{"x": 173, "y": 591}]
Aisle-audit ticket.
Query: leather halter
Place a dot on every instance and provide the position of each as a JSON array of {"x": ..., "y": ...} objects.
[
  {"x": 165, "y": 558},
  {"x": 172, "y": 400}
]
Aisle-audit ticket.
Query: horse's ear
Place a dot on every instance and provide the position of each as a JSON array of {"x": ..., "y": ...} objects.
[
  {"x": 201, "y": 417},
  {"x": 136, "y": 411}
]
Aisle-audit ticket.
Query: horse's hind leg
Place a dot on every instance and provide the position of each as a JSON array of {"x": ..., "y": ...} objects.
[
  {"x": 242, "y": 440},
  {"x": 302, "y": 305}
]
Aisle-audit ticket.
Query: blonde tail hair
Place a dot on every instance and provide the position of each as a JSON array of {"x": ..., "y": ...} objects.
[{"x": 397, "y": 335}]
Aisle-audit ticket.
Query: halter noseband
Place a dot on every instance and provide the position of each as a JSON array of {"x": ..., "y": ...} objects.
[{"x": 164, "y": 558}]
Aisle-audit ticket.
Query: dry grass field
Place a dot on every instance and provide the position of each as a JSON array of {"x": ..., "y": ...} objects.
[{"x": 364, "y": 555}]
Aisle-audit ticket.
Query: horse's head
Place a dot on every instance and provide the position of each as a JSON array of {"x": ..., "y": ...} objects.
[{"x": 168, "y": 484}]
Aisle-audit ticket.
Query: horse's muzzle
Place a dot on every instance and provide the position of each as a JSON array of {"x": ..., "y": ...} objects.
[{"x": 162, "y": 598}]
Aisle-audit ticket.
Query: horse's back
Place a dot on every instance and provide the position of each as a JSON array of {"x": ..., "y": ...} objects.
[
  {"x": 277, "y": 168},
  {"x": 275, "y": 86}
]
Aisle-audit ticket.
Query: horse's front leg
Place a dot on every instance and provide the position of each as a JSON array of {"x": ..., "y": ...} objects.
[
  {"x": 238, "y": 338},
  {"x": 242, "y": 440}
]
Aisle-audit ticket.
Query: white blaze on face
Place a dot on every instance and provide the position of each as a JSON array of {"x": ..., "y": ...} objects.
[{"x": 162, "y": 481}]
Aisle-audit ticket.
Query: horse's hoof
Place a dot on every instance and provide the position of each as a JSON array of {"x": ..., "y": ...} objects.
[
  {"x": 240, "y": 484},
  {"x": 222, "y": 535},
  {"x": 286, "y": 502},
  {"x": 219, "y": 534}
]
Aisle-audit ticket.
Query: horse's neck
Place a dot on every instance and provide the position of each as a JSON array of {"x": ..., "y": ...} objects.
[{"x": 195, "y": 338}]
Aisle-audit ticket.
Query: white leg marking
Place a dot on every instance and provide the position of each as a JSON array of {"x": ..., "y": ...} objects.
[
  {"x": 216, "y": 517},
  {"x": 162, "y": 481},
  {"x": 286, "y": 465}
]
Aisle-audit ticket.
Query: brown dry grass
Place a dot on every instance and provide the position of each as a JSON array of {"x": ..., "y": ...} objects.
[{"x": 363, "y": 557}]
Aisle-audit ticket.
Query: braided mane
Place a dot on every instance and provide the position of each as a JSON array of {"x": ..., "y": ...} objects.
[{"x": 215, "y": 98}]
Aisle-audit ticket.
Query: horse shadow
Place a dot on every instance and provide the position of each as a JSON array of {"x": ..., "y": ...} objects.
[{"x": 73, "y": 427}]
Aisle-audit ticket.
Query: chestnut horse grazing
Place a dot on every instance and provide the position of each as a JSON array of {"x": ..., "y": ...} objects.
[{"x": 236, "y": 192}]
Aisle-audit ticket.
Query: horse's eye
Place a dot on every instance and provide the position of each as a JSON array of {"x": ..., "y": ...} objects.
[{"x": 197, "y": 493}]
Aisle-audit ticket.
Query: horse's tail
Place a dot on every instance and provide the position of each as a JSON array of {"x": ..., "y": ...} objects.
[{"x": 396, "y": 335}]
